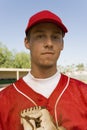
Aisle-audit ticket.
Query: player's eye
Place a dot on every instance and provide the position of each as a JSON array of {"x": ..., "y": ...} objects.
[
  {"x": 55, "y": 37},
  {"x": 40, "y": 36}
]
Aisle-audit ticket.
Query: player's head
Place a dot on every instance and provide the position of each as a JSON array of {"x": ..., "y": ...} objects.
[
  {"x": 44, "y": 39},
  {"x": 45, "y": 16}
]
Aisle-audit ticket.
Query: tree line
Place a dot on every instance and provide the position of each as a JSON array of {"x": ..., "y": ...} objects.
[{"x": 13, "y": 59}]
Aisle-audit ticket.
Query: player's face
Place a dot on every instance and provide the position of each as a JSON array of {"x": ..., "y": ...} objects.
[{"x": 45, "y": 44}]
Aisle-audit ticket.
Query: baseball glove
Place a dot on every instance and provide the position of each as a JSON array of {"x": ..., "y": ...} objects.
[{"x": 37, "y": 118}]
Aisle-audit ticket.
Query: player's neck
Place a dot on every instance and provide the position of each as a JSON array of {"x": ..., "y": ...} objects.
[{"x": 43, "y": 73}]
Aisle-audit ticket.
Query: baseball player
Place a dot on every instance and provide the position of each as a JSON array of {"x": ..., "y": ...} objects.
[{"x": 44, "y": 99}]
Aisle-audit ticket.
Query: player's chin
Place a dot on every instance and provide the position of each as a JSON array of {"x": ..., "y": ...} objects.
[{"x": 48, "y": 64}]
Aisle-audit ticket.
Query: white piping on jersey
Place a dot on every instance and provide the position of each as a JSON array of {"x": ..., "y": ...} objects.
[
  {"x": 55, "y": 103},
  {"x": 24, "y": 94},
  {"x": 59, "y": 99}
]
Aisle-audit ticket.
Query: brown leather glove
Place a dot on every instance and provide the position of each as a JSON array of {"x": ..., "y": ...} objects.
[{"x": 37, "y": 118}]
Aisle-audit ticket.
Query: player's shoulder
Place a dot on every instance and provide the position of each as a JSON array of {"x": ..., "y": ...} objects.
[
  {"x": 78, "y": 82},
  {"x": 74, "y": 81},
  {"x": 5, "y": 88},
  {"x": 9, "y": 88}
]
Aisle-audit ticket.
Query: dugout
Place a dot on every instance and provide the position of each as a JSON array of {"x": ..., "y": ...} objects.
[{"x": 9, "y": 75}]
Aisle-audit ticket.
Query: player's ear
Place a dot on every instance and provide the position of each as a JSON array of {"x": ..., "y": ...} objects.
[
  {"x": 26, "y": 42},
  {"x": 62, "y": 46}
]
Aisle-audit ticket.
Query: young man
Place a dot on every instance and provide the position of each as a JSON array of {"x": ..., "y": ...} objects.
[{"x": 63, "y": 98}]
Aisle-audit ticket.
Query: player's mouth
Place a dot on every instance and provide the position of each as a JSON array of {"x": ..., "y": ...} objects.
[{"x": 48, "y": 53}]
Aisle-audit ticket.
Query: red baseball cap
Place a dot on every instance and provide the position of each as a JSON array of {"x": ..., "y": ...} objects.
[{"x": 45, "y": 16}]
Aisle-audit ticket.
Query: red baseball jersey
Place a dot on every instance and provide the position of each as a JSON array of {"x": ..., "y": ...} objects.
[{"x": 67, "y": 104}]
